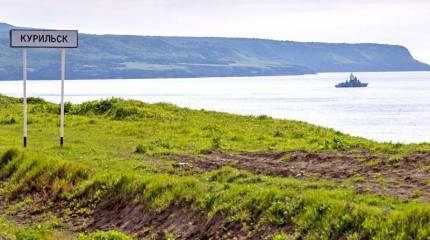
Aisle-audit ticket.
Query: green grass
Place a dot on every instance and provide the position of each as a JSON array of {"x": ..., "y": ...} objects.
[
  {"x": 38, "y": 231},
  {"x": 109, "y": 151},
  {"x": 7, "y": 228},
  {"x": 45, "y": 231},
  {"x": 112, "y": 129},
  {"x": 111, "y": 235}
]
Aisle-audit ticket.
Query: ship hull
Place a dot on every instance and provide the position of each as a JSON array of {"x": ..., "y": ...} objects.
[{"x": 359, "y": 86}]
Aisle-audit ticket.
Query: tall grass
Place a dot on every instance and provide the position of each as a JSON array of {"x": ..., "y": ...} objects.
[{"x": 39, "y": 174}]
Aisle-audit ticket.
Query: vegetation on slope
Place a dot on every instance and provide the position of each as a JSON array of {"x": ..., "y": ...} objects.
[
  {"x": 110, "y": 56},
  {"x": 121, "y": 151},
  {"x": 47, "y": 231}
]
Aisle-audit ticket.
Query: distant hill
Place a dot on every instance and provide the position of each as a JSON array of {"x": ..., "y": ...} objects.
[
  {"x": 5, "y": 27},
  {"x": 118, "y": 56}
]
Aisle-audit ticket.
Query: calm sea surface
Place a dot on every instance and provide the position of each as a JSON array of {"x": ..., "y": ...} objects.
[{"x": 395, "y": 107}]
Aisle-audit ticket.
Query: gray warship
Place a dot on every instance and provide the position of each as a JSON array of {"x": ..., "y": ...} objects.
[{"x": 353, "y": 82}]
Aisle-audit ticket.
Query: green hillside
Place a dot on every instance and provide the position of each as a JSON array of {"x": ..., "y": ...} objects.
[
  {"x": 116, "y": 56},
  {"x": 156, "y": 171}
]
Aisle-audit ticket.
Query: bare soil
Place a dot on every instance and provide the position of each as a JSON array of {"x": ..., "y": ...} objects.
[
  {"x": 406, "y": 177},
  {"x": 179, "y": 222}
]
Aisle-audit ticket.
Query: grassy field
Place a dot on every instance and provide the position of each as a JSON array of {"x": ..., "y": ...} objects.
[{"x": 129, "y": 153}]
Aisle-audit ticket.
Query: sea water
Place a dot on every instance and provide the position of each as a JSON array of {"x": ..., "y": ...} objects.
[{"x": 395, "y": 107}]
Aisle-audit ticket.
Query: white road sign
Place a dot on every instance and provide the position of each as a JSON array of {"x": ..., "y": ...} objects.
[{"x": 20, "y": 38}]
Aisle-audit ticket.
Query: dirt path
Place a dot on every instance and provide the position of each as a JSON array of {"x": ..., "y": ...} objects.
[{"x": 406, "y": 177}]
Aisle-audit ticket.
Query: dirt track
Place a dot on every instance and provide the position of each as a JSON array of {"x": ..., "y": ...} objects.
[{"x": 406, "y": 177}]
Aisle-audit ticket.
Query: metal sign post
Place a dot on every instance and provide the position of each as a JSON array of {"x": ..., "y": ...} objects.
[
  {"x": 63, "y": 73},
  {"x": 24, "y": 98},
  {"x": 20, "y": 38}
]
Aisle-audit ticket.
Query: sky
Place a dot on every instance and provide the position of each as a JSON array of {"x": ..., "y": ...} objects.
[{"x": 403, "y": 22}]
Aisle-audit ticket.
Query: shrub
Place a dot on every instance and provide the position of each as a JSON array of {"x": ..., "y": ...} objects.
[
  {"x": 278, "y": 133},
  {"x": 119, "y": 109},
  {"x": 263, "y": 117},
  {"x": 163, "y": 144},
  {"x": 141, "y": 149},
  {"x": 216, "y": 142},
  {"x": 5, "y": 101},
  {"x": 67, "y": 107},
  {"x": 8, "y": 121},
  {"x": 125, "y": 113},
  {"x": 335, "y": 144},
  {"x": 36, "y": 100},
  {"x": 96, "y": 107}
]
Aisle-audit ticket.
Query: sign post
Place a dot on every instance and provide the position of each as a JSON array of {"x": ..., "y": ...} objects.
[
  {"x": 20, "y": 38},
  {"x": 24, "y": 98},
  {"x": 63, "y": 73}
]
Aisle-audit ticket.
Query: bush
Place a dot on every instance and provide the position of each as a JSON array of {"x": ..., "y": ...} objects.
[
  {"x": 119, "y": 109},
  {"x": 36, "y": 100},
  {"x": 263, "y": 117},
  {"x": 125, "y": 113},
  {"x": 335, "y": 144},
  {"x": 216, "y": 142},
  {"x": 5, "y": 101},
  {"x": 140, "y": 149},
  {"x": 95, "y": 107},
  {"x": 278, "y": 133},
  {"x": 8, "y": 121}
]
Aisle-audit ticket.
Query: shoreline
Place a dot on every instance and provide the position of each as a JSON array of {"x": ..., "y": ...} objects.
[{"x": 215, "y": 77}]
